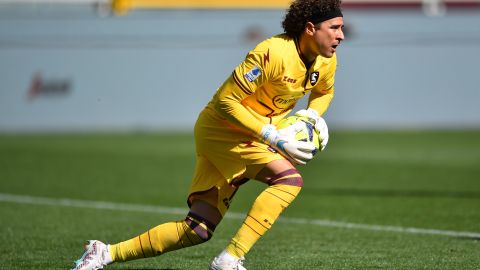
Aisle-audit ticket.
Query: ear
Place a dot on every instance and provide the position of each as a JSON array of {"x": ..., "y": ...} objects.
[{"x": 309, "y": 29}]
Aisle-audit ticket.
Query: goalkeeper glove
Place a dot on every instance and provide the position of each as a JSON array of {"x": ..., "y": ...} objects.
[
  {"x": 282, "y": 140},
  {"x": 318, "y": 122}
]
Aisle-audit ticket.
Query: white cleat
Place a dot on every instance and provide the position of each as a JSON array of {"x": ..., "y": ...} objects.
[
  {"x": 96, "y": 256},
  {"x": 225, "y": 261}
]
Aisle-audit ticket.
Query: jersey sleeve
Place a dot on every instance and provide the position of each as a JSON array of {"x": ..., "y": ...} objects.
[
  {"x": 323, "y": 92},
  {"x": 248, "y": 76},
  {"x": 254, "y": 71}
]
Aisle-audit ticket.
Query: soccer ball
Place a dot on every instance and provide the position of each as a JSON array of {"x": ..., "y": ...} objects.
[{"x": 307, "y": 132}]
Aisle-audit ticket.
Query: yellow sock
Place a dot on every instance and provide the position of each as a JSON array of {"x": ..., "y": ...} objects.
[
  {"x": 265, "y": 210},
  {"x": 163, "y": 238}
]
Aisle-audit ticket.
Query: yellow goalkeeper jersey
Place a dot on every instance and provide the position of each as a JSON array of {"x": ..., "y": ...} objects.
[{"x": 266, "y": 86}]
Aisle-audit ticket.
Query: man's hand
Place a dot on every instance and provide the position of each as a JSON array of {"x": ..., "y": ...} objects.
[
  {"x": 282, "y": 140},
  {"x": 318, "y": 122}
]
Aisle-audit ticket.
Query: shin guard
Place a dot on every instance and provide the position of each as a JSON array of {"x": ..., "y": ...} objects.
[
  {"x": 267, "y": 207},
  {"x": 166, "y": 237}
]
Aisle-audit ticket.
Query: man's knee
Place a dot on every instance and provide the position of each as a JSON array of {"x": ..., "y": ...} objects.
[
  {"x": 289, "y": 177},
  {"x": 201, "y": 227}
]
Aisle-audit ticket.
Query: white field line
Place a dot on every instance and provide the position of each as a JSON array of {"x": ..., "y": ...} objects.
[{"x": 24, "y": 199}]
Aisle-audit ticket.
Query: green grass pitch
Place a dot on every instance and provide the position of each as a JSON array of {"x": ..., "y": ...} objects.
[{"x": 377, "y": 181}]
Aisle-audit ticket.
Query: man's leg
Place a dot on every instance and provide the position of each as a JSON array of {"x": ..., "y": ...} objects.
[
  {"x": 195, "y": 229},
  {"x": 285, "y": 182}
]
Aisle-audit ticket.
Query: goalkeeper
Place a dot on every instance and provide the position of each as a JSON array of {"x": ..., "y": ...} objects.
[{"x": 236, "y": 140}]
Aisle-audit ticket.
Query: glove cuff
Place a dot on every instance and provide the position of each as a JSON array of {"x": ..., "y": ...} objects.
[{"x": 268, "y": 134}]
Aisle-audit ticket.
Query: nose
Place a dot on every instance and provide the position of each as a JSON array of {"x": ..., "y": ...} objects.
[{"x": 340, "y": 35}]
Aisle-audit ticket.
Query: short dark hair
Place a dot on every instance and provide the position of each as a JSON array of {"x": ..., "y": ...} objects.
[{"x": 303, "y": 11}]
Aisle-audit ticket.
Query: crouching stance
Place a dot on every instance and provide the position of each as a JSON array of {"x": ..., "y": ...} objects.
[
  {"x": 236, "y": 140},
  {"x": 196, "y": 229}
]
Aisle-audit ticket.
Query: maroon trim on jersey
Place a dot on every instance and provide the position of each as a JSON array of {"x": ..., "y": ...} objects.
[
  {"x": 240, "y": 181},
  {"x": 266, "y": 57},
  {"x": 266, "y": 106},
  {"x": 240, "y": 85}
]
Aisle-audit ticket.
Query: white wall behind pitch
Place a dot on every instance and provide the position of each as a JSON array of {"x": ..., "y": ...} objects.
[{"x": 156, "y": 70}]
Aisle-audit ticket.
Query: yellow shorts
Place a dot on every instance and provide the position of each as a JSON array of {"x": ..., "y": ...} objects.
[{"x": 225, "y": 156}]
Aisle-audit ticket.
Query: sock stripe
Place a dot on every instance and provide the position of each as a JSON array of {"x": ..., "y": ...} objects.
[
  {"x": 284, "y": 177},
  {"x": 291, "y": 180},
  {"x": 179, "y": 238},
  {"x": 150, "y": 241},
  {"x": 141, "y": 246},
  {"x": 252, "y": 229},
  {"x": 280, "y": 198},
  {"x": 258, "y": 222},
  {"x": 283, "y": 174},
  {"x": 289, "y": 193},
  {"x": 199, "y": 220},
  {"x": 186, "y": 234},
  {"x": 196, "y": 222}
]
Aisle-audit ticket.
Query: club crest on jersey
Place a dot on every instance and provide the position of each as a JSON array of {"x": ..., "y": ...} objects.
[
  {"x": 253, "y": 74},
  {"x": 314, "y": 78}
]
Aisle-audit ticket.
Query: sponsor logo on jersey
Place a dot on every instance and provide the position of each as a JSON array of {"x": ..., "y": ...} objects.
[
  {"x": 253, "y": 74},
  {"x": 314, "y": 78},
  {"x": 285, "y": 101},
  {"x": 289, "y": 80}
]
